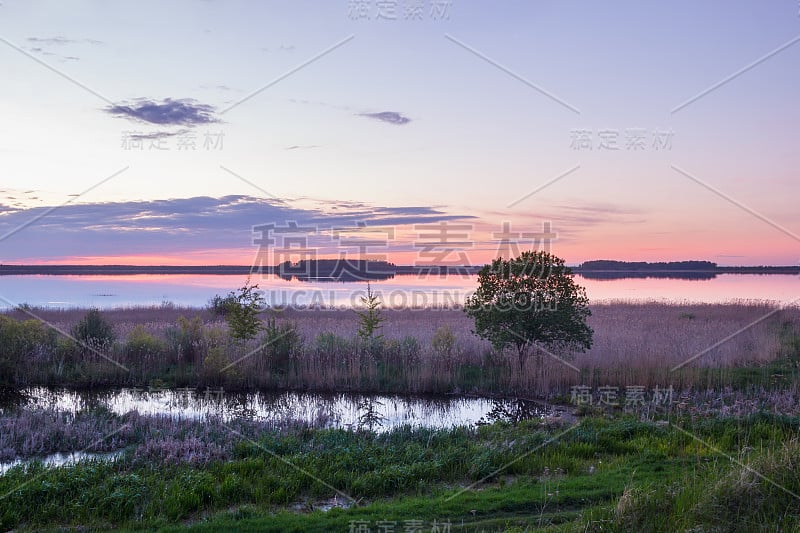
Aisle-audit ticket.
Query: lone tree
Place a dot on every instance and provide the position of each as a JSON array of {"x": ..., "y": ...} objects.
[
  {"x": 530, "y": 300},
  {"x": 370, "y": 319},
  {"x": 242, "y": 310}
]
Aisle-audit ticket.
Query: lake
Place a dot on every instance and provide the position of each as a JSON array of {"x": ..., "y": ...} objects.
[{"x": 106, "y": 291}]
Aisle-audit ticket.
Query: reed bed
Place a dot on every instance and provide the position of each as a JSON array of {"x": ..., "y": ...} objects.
[{"x": 715, "y": 345}]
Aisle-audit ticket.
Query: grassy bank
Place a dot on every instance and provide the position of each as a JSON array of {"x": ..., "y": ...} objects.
[
  {"x": 421, "y": 351},
  {"x": 596, "y": 475}
]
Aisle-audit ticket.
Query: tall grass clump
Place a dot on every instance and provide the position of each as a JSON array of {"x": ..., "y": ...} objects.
[
  {"x": 336, "y": 354},
  {"x": 20, "y": 343},
  {"x": 444, "y": 344},
  {"x": 281, "y": 342},
  {"x": 732, "y": 496},
  {"x": 143, "y": 347},
  {"x": 186, "y": 340},
  {"x": 94, "y": 332},
  {"x": 216, "y": 369}
]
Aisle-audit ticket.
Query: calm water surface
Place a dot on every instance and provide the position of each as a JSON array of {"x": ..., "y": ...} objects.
[
  {"x": 196, "y": 290},
  {"x": 346, "y": 411},
  {"x": 322, "y": 410},
  {"x": 63, "y": 459}
]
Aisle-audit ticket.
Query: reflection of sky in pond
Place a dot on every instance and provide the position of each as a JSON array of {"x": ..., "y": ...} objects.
[
  {"x": 339, "y": 410},
  {"x": 196, "y": 290},
  {"x": 62, "y": 459},
  {"x": 320, "y": 410}
]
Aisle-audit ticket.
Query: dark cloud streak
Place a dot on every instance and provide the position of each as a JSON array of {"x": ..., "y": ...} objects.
[
  {"x": 168, "y": 112},
  {"x": 39, "y": 46},
  {"x": 181, "y": 225},
  {"x": 302, "y": 146},
  {"x": 390, "y": 117},
  {"x": 60, "y": 40}
]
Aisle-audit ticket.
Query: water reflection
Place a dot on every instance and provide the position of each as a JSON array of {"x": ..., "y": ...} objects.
[
  {"x": 514, "y": 411},
  {"x": 355, "y": 412},
  {"x": 62, "y": 459},
  {"x": 351, "y": 411},
  {"x": 699, "y": 276},
  {"x": 12, "y": 398},
  {"x": 406, "y": 290}
]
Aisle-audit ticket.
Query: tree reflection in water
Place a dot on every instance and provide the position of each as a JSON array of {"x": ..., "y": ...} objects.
[{"x": 513, "y": 411}]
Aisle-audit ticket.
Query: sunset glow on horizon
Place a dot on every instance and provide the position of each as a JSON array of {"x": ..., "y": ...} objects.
[{"x": 119, "y": 150}]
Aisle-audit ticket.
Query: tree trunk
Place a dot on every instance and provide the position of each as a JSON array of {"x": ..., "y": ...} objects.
[{"x": 521, "y": 355}]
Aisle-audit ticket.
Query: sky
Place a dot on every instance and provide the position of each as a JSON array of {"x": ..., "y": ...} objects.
[{"x": 433, "y": 131}]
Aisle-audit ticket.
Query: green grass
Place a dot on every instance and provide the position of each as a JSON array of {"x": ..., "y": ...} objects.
[{"x": 602, "y": 475}]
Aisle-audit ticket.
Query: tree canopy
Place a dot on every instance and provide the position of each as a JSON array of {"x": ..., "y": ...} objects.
[{"x": 530, "y": 300}]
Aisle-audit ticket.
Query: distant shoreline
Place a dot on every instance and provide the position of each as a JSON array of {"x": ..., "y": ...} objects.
[{"x": 620, "y": 270}]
